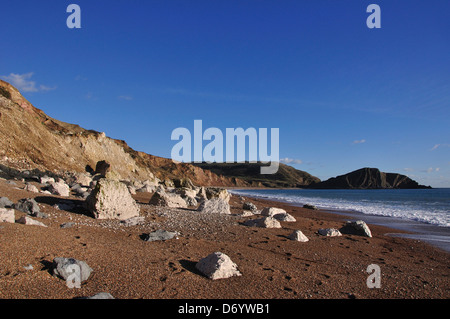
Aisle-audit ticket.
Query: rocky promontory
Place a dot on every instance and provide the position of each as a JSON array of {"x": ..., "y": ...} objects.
[{"x": 369, "y": 178}]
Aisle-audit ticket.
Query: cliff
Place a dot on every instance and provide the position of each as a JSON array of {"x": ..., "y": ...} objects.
[{"x": 31, "y": 139}]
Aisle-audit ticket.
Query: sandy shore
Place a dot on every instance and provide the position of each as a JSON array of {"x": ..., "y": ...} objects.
[{"x": 273, "y": 266}]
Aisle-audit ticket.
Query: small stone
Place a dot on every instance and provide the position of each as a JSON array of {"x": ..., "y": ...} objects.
[
  {"x": 5, "y": 202},
  {"x": 67, "y": 225},
  {"x": 159, "y": 235},
  {"x": 133, "y": 221},
  {"x": 64, "y": 267},
  {"x": 30, "y": 207},
  {"x": 100, "y": 295},
  {"x": 330, "y": 232},
  {"x": 249, "y": 206},
  {"x": 246, "y": 213},
  {"x": 278, "y": 213},
  {"x": 297, "y": 235},
  {"x": 45, "y": 179},
  {"x": 28, "y": 267},
  {"x": 217, "y": 266},
  {"x": 31, "y": 188},
  {"x": 25, "y": 220},
  {"x": 264, "y": 222},
  {"x": 7, "y": 215},
  {"x": 60, "y": 188},
  {"x": 308, "y": 206}
]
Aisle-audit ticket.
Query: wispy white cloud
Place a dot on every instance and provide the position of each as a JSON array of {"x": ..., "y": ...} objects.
[
  {"x": 436, "y": 146},
  {"x": 24, "y": 83},
  {"x": 46, "y": 88},
  {"x": 288, "y": 160},
  {"x": 359, "y": 141},
  {"x": 431, "y": 169},
  {"x": 125, "y": 97},
  {"x": 408, "y": 169}
]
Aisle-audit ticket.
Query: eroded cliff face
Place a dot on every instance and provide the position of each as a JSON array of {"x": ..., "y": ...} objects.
[{"x": 30, "y": 139}]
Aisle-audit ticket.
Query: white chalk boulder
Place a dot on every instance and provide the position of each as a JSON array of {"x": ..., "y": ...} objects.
[
  {"x": 217, "y": 266},
  {"x": 111, "y": 199},
  {"x": 7, "y": 215},
  {"x": 330, "y": 232},
  {"x": 215, "y": 206},
  {"x": 278, "y": 213},
  {"x": 264, "y": 222},
  {"x": 297, "y": 235}
]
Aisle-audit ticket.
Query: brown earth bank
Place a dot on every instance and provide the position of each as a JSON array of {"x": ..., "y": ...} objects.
[{"x": 272, "y": 266}]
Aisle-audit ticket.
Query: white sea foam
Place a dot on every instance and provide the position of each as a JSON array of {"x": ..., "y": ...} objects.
[{"x": 405, "y": 204}]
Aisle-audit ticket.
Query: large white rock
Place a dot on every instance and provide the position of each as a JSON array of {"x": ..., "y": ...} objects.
[
  {"x": 59, "y": 188},
  {"x": 7, "y": 215},
  {"x": 216, "y": 192},
  {"x": 66, "y": 268},
  {"x": 215, "y": 206},
  {"x": 297, "y": 235},
  {"x": 29, "y": 221},
  {"x": 330, "y": 232},
  {"x": 272, "y": 211},
  {"x": 217, "y": 266},
  {"x": 111, "y": 199},
  {"x": 163, "y": 198},
  {"x": 146, "y": 189},
  {"x": 186, "y": 192},
  {"x": 249, "y": 206},
  {"x": 278, "y": 213},
  {"x": 83, "y": 179},
  {"x": 45, "y": 179},
  {"x": 358, "y": 227},
  {"x": 264, "y": 222},
  {"x": 31, "y": 188}
]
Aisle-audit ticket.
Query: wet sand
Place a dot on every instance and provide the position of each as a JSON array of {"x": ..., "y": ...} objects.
[{"x": 272, "y": 266}]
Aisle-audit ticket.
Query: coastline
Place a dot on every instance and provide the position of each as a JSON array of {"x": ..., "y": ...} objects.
[
  {"x": 437, "y": 236},
  {"x": 272, "y": 265}
]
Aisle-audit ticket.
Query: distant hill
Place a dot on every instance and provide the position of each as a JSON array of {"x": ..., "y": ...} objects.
[
  {"x": 287, "y": 176},
  {"x": 369, "y": 178}
]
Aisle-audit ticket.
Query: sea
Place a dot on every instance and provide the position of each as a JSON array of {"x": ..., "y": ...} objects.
[{"x": 423, "y": 213}]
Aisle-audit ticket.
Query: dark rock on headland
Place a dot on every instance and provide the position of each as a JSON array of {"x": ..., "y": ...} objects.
[{"x": 369, "y": 178}]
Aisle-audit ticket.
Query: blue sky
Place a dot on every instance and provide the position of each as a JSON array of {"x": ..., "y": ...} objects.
[{"x": 343, "y": 96}]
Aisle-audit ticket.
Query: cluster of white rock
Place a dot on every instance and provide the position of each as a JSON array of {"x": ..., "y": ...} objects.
[{"x": 108, "y": 197}]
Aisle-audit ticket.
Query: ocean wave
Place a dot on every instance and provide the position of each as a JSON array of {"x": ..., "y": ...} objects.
[{"x": 430, "y": 212}]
